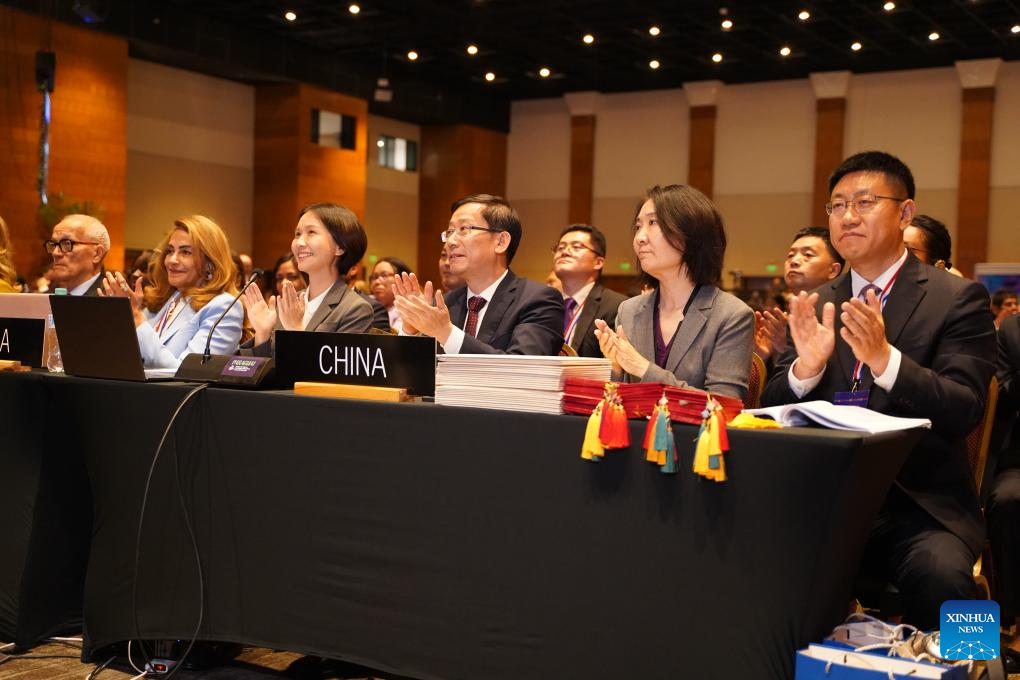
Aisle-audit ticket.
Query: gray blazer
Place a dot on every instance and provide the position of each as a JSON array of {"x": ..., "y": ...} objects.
[
  {"x": 341, "y": 311},
  {"x": 712, "y": 349}
]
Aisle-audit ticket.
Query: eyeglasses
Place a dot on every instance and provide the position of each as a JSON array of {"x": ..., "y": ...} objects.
[
  {"x": 381, "y": 275},
  {"x": 66, "y": 245},
  {"x": 463, "y": 230},
  {"x": 863, "y": 204},
  {"x": 575, "y": 248}
]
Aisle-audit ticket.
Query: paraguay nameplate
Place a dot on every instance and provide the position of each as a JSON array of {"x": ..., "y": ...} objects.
[{"x": 357, "y": 359}]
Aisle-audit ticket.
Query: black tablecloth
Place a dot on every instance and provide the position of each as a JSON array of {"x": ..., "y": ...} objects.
[{"x": 443, "y": 542}]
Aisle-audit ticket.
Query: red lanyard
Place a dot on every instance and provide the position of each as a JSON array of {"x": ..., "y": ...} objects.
[{"x": 883, "y": 297}]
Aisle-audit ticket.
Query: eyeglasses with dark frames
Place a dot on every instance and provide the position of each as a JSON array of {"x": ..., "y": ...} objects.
[{"x": 66, "y": 245}]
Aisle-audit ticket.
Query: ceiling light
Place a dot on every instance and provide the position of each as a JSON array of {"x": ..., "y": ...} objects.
[
  {"x": 654, "y": 30},
  {"x": 804, "y": 15},
  {"x": 856, "y": 46},
  {"x": 1015, "y": 29},
  {"x": 727, "y": 24},
  {"x": 290, "y": 16},
  {"x": 472, "y": 50},
  {"x": 490, "y": 76},
  {"x": 717, "y": 57},
  {"x": 380, "y": 143},
  {"x": 544, "y": 72},
  {"x": 588, "y": 39},
  {"x": 654, "y": 64},
  {"x": 354, "y": 8},
  {"x": 412, "y": 55},
  {"x": 933, "y": 36},
  {"x": 785, "y": 51},
  {"x": 889, "y": 6}
]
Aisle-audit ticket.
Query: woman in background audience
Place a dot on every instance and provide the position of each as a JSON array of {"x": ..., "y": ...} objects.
[
  {"x": 687, "y": 332},
  {"x": 328, "y": 241},
  {"x": 140, "y": 268},
  {"x": 381, "y": 283},
  {"x": 193, "y": 283},
  {"x": 8, "y": 275},
  {"x": 930, "y": 242},
  {"x": 286, "y": 269}
]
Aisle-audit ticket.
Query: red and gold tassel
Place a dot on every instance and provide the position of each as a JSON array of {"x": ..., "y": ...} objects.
[{"x": 614, "y": 431}]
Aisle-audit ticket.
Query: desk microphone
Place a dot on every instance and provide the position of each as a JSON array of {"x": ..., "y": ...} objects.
[{"x": 207, "y": 355}]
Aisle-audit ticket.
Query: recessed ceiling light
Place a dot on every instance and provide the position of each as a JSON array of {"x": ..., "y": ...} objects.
[
  {"x": 889, "y": 6},
  {"x": 490, "y": 76},
  {"x": 472, "y": 50},
  {"x": 412, "y": 55},
  {"x": 544, "y": 72},
  {"x": 290, "y": 16},
  {"x": 717, "y": 57},
  {"x": 654, "y": 30},
  {"x": 354, "y": 8},
  {"x": 380, "y": 143},
  {"x": 804, "y": 15},
  {"x": 856, "y": 46},
  {"x": 727, "y": 24},
  {"x": 785, "y": 51},
  {"x": 588, "y": 39},
  {"x": 933, "y": 36},
  {"x": 654, "y": 64},
  {"x": 1015, "y": 29}
]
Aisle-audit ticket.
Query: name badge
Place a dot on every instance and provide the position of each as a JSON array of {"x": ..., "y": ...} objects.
[
  {"x": 22, "y": 340},
  {"x": 357, "y": 359},
  {"x": 858, "y": 398}
]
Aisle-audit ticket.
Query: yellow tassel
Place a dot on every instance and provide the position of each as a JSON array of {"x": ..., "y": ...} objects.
[{"x": 592, "y": 448}]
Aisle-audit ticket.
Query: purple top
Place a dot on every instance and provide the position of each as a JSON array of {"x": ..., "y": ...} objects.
[{"x": 662, "y": 348}]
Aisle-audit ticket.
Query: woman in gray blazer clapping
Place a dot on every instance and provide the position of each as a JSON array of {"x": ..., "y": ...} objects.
[
  {"x": 328, "y": 240},
  {"x": 687, "y": 332}
]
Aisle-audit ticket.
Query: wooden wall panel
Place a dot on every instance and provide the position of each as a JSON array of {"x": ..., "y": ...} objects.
[
  {"x": 971, "y": 244},
  {"x": 701, "y": 162},
  {"x": 456, "y": 160},
  {"x": 88, "y": 131},
  {"x": 829, "y": 130},
  {"x": 582, "y": 169}
]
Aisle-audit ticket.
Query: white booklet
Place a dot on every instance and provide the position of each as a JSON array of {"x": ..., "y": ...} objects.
[{"x": 838, "y": 417}]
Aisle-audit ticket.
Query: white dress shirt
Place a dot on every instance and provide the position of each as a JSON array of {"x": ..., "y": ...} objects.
[
  {"x": 456, "y": 339},
  {"x": 396, "y": 323},
  {"x": 892, "y": 369},
  {"x": 81, "y": 290},
  {"x": 311, "y": 306}
]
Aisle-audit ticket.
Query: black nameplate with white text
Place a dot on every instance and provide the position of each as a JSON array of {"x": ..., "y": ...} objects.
[
  {"x": 357, "y": 359},
  {"x": 22, "y": 340}
]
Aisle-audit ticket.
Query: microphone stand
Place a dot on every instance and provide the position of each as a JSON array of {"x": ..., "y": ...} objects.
[{"x": 207, "y": 355}]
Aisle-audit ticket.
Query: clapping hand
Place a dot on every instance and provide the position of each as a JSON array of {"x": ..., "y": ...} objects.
[
  {"x": 290, "y": 307},
  {"x": 421, "y": 310},
  {"x": 864, "y": 330},
  {"x": 617, "y": 348},
  {"x": 770, "y": 332},
  {"x": 814, "y": 340},
  {"x": 114, "y": 285},
  {"x": 261, "y": 313}
]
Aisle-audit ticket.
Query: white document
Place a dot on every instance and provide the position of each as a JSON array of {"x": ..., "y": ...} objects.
[{"x": 838, "y": 417}]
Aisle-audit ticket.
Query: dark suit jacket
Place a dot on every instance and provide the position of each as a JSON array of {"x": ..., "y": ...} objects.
[
  {"x": 1004, "y": 449},
  {"x": 380, "y": 319},
  {"x": 523, "y": 317},
  {"x": 943, "y": 328},
  {"x": 601, "y": 303}
]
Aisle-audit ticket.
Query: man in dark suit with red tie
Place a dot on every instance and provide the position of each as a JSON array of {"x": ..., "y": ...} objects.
[
  {"x": 578, "y": 259},
  {"x": 496, "y": 312},
  {"x": 906, "y": 339}
]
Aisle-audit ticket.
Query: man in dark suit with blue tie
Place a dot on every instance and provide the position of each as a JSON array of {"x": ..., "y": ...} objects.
[
  {"x": 496, "y": 312},
  {"x": 906, "y": 339}
]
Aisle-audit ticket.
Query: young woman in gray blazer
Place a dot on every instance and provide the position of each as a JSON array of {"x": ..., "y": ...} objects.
[
  {"x": 328, "y": 240},
  {"x": 687, "y": 331}
]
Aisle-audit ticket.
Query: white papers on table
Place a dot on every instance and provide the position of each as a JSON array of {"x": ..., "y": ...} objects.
[{"x": 838, "y": 417}]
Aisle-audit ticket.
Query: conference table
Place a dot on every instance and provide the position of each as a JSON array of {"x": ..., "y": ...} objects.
[{"x": 424, "y": 540}]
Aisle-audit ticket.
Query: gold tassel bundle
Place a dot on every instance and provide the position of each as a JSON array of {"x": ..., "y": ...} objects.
[
  {"x": 712, "y": 442},
  {"x": 607, "y": 427}
]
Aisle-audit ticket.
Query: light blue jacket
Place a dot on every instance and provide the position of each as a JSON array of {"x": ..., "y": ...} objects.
[{"x": 188, "y": 332}]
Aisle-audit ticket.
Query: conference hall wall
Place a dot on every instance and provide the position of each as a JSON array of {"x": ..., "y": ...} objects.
[{"x": 764, "y": 159}]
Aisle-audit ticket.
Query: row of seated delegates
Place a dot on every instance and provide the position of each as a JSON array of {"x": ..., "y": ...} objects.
[
  {"x": 1004, "y": 305},
  {"x": 578, "y": 260},
  {"x": 1002, "y": 507},
  {"x": 8, "y": 275},
  {"x": 687, "y": 332},
  {"x": 193, "y": 282},
  {"x": 328, "y": 241},
  {"x": 909, "y": 340},
  {"x": 380, "y": 283}
]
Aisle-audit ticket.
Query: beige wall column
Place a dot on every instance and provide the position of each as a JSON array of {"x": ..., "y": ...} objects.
[
  {"x": 977, "y": 77},
  {"x": 583, "y": 108},
  {"x": 830, "y": 93},
  {"x": 702, "y": 96}
]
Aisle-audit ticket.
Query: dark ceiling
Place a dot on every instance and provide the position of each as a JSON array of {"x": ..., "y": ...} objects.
[{"x": 252, "y": 41}]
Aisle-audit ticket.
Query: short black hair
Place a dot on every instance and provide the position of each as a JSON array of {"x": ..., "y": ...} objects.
[
  {"x": 345, "y": 228},
  {"x": 691, "y": 223},
  {"x": 937, "y": 240},
  {"x": 1001, "y": 295},
  {"x": 500, "y": 215},
  {"x": 822, "y": 233},
  {"x": 876, "y": 161},
  {"x": 598, "y": 239},
  {"x": 399, "y": 266}
]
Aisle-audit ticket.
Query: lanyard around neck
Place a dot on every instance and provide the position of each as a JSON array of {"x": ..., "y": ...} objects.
[{"x": 883, "y": 298}]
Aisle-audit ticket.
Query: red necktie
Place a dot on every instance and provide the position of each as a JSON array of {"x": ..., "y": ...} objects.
[{"x": 475, "y": 305}]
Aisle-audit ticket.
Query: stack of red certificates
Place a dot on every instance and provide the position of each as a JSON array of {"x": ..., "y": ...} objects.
[{"x": 639, "y": 399}]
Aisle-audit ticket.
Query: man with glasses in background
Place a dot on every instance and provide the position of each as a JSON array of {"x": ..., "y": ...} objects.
[
  {"x": 496, "y": 312},
  {"x": 78, "y": 245},
  {"x": 903, "y": 338},
  {"x": 578, "y": 259}
]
